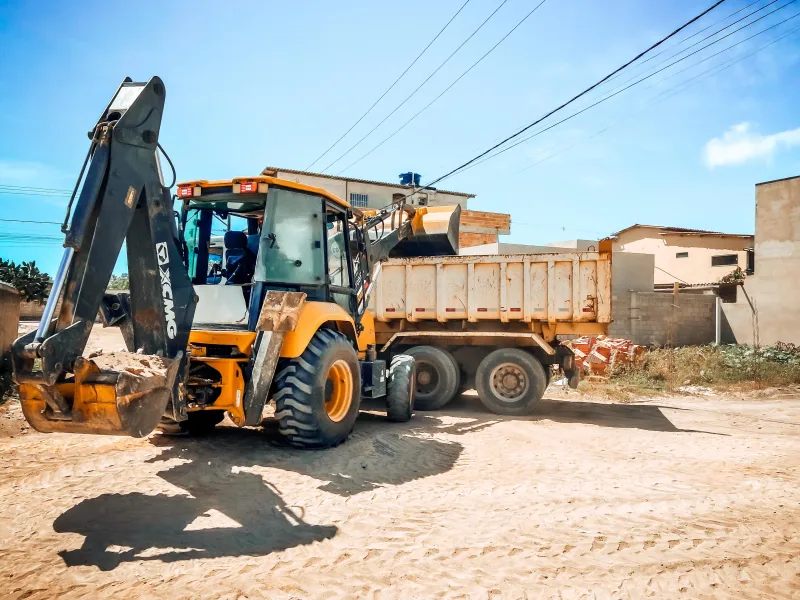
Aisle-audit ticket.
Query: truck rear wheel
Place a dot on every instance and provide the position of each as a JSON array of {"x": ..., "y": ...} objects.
[
  {"x": 437, "y": 377},
  {"x": 318, "y": 393},
  {"x": 468, "y": 358},
  {"x": 400, "y": 388},
  {"x": 510, "y": 381}
]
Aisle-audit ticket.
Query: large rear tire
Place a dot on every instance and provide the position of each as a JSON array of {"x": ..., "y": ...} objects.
[
  {"x": 400, "y": 388},
  {"x": 318, "y": 393},
  {"x": 437, "y": 377},
  {"x": 510, "y": 381}
]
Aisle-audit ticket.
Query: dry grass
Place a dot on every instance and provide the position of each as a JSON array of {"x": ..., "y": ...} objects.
[{"x": 724, "y": 368}]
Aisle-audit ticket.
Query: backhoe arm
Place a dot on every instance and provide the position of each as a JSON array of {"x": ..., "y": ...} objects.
[{"x": 122, "y": 199}]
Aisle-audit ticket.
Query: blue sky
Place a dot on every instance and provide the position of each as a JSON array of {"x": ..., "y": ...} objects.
[{"x": 257, "y": 83}]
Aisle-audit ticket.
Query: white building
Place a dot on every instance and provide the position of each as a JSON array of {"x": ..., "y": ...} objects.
[{"x": 362, "y": 193}]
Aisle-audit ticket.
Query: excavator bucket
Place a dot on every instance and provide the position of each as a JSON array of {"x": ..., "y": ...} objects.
[
  {"x": 115, "y": 394},
  {"x": 435, "y": 231}
]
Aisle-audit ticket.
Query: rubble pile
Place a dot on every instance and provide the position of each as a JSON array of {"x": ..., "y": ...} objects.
[{"x": 595, "y": 355}]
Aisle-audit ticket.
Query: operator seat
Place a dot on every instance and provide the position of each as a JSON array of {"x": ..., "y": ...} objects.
[{"x": 240, "y": 262}]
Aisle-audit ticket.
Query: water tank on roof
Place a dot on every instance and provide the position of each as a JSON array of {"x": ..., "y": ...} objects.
[{"x": 408, "y": 178}]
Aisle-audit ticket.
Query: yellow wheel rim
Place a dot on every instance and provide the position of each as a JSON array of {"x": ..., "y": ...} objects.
[{"x": 339, "y": 391}]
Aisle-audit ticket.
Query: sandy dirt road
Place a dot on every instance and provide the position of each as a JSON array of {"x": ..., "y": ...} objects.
[{"x": 676, "y": 497}]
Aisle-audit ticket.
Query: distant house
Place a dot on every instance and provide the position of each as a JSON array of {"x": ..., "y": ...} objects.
[
  {"x": 687, "y": 256},
  {"x": 364, "y": 193},
  {"x": 477, "y": 227}
]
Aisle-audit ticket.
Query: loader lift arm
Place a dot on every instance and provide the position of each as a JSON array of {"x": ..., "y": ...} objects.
[{"x": 122, "y": 198}]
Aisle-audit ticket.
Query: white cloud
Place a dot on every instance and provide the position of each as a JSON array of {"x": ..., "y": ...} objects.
[{"x": 739, "y": 145}]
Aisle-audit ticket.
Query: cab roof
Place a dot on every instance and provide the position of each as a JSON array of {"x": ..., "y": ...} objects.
[{"x": 204, "y": 183}]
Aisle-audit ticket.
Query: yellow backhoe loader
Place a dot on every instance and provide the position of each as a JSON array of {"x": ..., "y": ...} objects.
[{"x": 279, "y": 314}]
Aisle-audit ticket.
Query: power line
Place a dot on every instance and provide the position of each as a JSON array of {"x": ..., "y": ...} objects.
[
  {"x": 611, "y": 95},
  {"x": 33, "y": 189},
  {"x": 374, "y": 104},
  {"x": 579, "y": 95},
  {"x": 715, "y": 33},
  {"x": 675, "y": 89},
  {"x": 729, "y": 47},
  {"x": 657, "y": 54},
  {"x": 436, "y": 70},
  {"x": 447, "y": 89},
  {"x": 686, "y": 39},
  {"x": 30, "y": 221},
  {"x": 719, "y": 68}
]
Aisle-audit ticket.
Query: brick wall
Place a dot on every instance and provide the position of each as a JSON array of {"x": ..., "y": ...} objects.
[
  {"x": 646, "y": 318},
  {"x": 480, "y": 227},
  {"x": 467, "y": 240}
]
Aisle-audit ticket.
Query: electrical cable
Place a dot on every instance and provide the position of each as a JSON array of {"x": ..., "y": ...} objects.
[
  {"x": 579, "y": 95},
  {"x": 686, "y": 39},
  {"x": 31, "y": 221},
  {"x": 657, "y": 54},
  {"x": 675, "y": 89},
  {"x": 10, "y": 189},
  {"x": 427, "y": 106},
  {"x": 374, "y": 104},
  {"x": 469, "y": 164},
  {"x": 436, "y": 70},
  {"x": 718, "y": 68},
  {"x": 715, "y": 33}
]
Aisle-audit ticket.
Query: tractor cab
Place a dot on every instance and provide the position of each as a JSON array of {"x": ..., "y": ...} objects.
[{"x": 244, "y": 237}]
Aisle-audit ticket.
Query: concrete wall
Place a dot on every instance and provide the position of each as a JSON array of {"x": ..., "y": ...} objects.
[
  {"x": 9, "y": 324},
  {"x": 378, "y": 195},
  {"x": 737, "y": 317},
  {"x": 696, "y": 267},
  {"x": 631, "y": 272},
  {"x": 647, "y": 317},
  {"x": 773, "y": 291},
  {"x": 581, "y": 245},
  {"x": 777, "y": 261}
]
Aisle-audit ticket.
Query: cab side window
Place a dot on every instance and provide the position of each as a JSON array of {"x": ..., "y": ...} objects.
[{"x": 338, "y": 273}]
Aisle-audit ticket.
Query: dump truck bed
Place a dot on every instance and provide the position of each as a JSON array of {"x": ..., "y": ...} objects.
[{"x": 550, "y": 294}]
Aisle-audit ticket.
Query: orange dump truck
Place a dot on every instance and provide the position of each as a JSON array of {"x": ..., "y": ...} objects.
[{"x": 491, "y": 322}]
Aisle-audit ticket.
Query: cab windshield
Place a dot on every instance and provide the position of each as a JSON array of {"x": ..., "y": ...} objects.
[{"x": 290, "y": 247}]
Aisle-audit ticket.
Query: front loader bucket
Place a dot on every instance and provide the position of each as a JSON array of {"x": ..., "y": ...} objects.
[
  {"x": 115, "y": 394},
  {"x": 435, "y": 229}
]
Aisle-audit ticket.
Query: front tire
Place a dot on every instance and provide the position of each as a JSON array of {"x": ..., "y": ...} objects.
[
  {"x": 510, "y": 381},
  {"x": 400, "y": 388},
  {"x": 318, "y": 393},
  {"x": 437, "y": 378}
]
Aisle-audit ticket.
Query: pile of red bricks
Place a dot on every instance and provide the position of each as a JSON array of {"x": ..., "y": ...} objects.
[{"x": 595, "y": 355}]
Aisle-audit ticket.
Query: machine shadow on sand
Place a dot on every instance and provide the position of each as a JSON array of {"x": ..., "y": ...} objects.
[
  {"x": 213, "y": 470},
  {"x": 647, "y": 417}
]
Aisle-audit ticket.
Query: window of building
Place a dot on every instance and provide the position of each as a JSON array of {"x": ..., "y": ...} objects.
[
  {"x": 681, "y": 255},
  {"x": 725, "y": 260},
  {"x": 359, "y": 200}
]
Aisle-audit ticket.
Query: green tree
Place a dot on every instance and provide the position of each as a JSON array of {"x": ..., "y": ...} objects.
[
  {"x": 32, "y": 284},
  {"x": 119, "y": 282}
]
